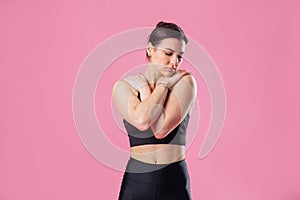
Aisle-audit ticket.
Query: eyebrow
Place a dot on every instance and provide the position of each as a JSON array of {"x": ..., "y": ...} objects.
[{"x": 173, "y": 50}]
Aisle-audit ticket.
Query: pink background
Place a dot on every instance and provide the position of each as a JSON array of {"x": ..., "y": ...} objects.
[{"x": 254, "y": 45}]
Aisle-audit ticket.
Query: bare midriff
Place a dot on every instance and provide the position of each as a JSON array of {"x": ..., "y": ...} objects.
[{"x": 158, "y": 153}]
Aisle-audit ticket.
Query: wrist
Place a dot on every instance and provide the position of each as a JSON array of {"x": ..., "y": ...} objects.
[{"x": 163, "y": 84}]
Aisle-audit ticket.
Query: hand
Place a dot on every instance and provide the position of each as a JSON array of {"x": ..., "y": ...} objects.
[
  {"x": 140, "y": 83},
  {"x": 170, "y": 81}
]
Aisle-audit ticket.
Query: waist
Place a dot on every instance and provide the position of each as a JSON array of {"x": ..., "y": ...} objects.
[
  {"x": 156, "y": 173},
  {"x": 158, "y": 153}
]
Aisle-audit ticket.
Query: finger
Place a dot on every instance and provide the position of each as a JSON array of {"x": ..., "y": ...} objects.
[{"x": 183, "y": 73}]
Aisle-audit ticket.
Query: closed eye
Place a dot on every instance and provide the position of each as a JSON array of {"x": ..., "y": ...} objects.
[{"x": 171, "y": 53}]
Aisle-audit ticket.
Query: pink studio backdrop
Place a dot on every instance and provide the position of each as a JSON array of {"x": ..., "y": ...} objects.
[{"x": 253, "y": 43}]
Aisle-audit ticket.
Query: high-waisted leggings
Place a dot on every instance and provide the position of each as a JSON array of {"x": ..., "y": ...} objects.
[{"x": 144, "y": 181}]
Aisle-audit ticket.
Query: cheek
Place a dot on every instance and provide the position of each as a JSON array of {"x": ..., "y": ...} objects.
[{"x": 160, "y": 60}]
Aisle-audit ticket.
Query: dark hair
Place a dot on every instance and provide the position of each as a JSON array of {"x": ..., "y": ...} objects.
[{"x": 165, "y": 30}]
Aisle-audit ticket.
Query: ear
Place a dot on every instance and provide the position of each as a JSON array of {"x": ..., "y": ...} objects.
[{"x": 149, "y": 48}]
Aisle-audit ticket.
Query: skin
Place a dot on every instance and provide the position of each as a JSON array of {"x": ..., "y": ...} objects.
[{"x": 160, "y": 108}]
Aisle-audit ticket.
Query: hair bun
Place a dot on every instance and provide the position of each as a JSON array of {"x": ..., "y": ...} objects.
[{"x": 160, "y": 24}]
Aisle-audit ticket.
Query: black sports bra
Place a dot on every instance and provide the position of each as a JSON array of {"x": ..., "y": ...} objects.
[{"x": 138, "y": 137}]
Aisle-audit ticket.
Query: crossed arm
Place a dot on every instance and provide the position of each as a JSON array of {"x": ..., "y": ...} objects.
[{"x": 162, "y": 111}]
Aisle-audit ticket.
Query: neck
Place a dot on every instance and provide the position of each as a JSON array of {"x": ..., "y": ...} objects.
[{"x": 152, "y": 75}]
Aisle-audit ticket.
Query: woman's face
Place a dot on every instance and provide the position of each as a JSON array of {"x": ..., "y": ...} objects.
[{"x": 167, "y": 56}]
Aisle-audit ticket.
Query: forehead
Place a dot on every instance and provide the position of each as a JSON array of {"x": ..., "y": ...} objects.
[{"x": 173, "y": 43}]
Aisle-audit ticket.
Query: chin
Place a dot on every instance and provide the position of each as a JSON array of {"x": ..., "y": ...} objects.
[{"x": 168, "y": 74}]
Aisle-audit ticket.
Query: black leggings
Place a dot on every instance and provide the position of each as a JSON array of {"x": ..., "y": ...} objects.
[{"x": 143, "y": 181}]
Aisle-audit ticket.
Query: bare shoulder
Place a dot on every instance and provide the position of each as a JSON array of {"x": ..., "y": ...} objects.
[
  {"x": 120, "y": 83},
  {"x": 126, "y": 81},
  {"x": 124, "y": 87},
  {"x": 190, "y": 79},
  {"x": 120, "y": 86},
  {"x": 186, "y": 82}
]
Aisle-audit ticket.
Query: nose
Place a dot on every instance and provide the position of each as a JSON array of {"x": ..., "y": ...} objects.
[{"x": 174, "y": 61}]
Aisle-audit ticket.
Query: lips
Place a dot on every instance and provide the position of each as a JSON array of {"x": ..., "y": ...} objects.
[{"x": 170, "y": 69}]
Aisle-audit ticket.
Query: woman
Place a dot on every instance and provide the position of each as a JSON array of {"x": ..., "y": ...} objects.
[{"x": 155, "y": 106}]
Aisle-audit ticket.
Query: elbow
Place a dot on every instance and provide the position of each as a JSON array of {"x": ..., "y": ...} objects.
[
  {"x": 142, "y": 127},
  {"x": 160, "y": 134}
]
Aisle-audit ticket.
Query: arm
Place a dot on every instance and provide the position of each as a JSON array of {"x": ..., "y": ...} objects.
[
  {"x": 140, "y": 114},
  {"x": 179, "y": 103}
]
